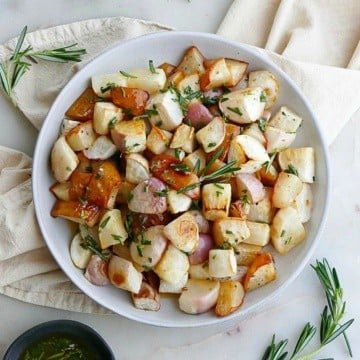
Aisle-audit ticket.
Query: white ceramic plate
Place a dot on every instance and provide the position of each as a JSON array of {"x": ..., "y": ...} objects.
[{"x": 169, "y": 47}]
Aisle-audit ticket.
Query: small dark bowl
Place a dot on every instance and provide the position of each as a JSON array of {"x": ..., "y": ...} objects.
[{"x": 87, "y": 335}]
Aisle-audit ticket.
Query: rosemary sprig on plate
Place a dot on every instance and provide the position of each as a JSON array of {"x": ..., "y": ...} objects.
[
  {"x": 21, "y": 61},
  {"x": 331, "y": 326},
  {"x": 215, "y": 175}
]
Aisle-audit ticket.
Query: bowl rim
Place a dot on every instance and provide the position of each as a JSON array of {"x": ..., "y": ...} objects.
[
  {"x": 252, "y": 51},
  {"x": 46, "y": 329}
]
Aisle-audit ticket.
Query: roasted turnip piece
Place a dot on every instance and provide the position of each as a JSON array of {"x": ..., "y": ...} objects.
[
  {"x": 192, "y": 61},
  {"x": 267, "y": 81},
  {"x": 178, "y": 202},
  {"x": 287, "y": 187},
  {"x": 167, "y": 169},
  {"x": 254, "y": 131},
  {"x": 173, "y": 265},
  {"x": 103, "y": 148},
  {"x": 268, "y": 176},
  {"x": 230, "y": 231},
  {"x": 196, "y": 160},
  {"x": 67, "y": 125},
  {"x": 61, "y": 191},
  {"x": 237, "y": 70},
  {"x": 261, "y": 271},
  {"x": 147, "y": 298},
  {"x": 263, "y": 211},
  {"x": 303, "y": 203},
  {"x": 83, "y": 107},
  {"x": 165, "y": 111},
  {"x": 201, "y": 254},
  {"x": 252, "y": 148},
  {"x": 97, "y": 271},
  {"x": 231, "y": 131},
  {"x": 222, "y": 263},
  {"x": 203, "y": 224},
  {"x": 199, "y": 296},
  {"x": 147, "y": 80},
  {"x": 111, "y": 229},
  {"x": 148, "y": 197},
  {"x": 184, "y": 137},
  {"x": 102, "y": 84},
  {"x": 158, "y": 140},
  {"x": 79, "y": 255},
  {"x": 123, "y": 274},
  {"x": 216, "y": 74},
  {"x": 177, "y": 288},
  {"x": 183, "y": 233},
  {"x": 149, "y": 246},
  {"x": 231, "y": 296},
  {"x": 286, "y": 120},
  {"x": 198, "y": 115},
  {"x": 212, "y": 135},
  {"x": 137, "y": 168},
  {"x": 287, "y": 231},
  {"x": 104, "y": 185},
  {"x": 216, "y": 201},
  {"x": 130, "y": 100},
  {"x": 249, "y": 186},
  {"x": 63, "y": 160},
  {"x": 243, "y": 106},
  {"x": 106, "y": 115},
  {"x": 81, "y": 137},
  {"x": 278, "y": 139},
  {"x": 189, "y": 84},
  {"x": 129, "y": 136},
  {"x": 301, "y": 159},
  {"x": 77, "y": 212},
  {"x": 200, "y": 271},
  {"x": 259, "y": 233},
  {"x": 246, "y": 253}
]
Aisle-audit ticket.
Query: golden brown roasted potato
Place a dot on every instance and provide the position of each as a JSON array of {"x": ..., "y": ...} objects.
[
  {"x": 231, "y": 296},
  {"x": 83, "y": 107},
  {"x": 130, "y": 100}
]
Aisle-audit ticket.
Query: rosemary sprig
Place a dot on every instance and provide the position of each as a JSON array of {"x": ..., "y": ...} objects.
[
  {"x": 20, "y": 62},
  {"x": 226, "y": 169},
  {"x": 330, "y": 326},
  {"x": 90, "y": 243}
]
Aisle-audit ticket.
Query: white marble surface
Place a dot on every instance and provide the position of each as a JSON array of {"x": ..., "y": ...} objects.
[{"x": 301, "y": 302}]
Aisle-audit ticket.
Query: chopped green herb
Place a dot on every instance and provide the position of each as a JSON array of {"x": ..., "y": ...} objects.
[
  {"x": 98, "y": 176},
  {"x": 91, "y": 244},
  {"x": 82, "y": 201},
  {"x": 68, "y": 168},
  {"x": 113, "y": 122},
  {"x": 262, "y": 124},
  {"x": 197, "y": 166},
  {"x": 291, "y": 170},
  {"x": 219, "y": 186},
  {"x": 130, "y": 197},
  {"x": 288, "y": 240},
  {"x": 282, "y": 233},
  {"x": 223, "y": 99},
  {"x": 245, "y": 199},
  {"x": 212, "y": 144},
  {"x": 105, "y": 222},
  {"x": 263, "y": 97},
  {"x": 218, "y": 193},
  {"x": 214, "y": 257},
  {"x": 150, "y": 260},
  {"x": 139, "y": 249},
  {"x": 159, "y": 123},
  {"x": 152, "y": 112},
  {"x": 117, "y": 237},
  {"x": 161, "y": 193},
  {"x": 235, "y": 110},
  {"x": 268, "y": 164},
  {"x": 229, "y": 232},
  {"x": 122, "y": 91},
  {"x": 151, "y": 67},
  {"x": 127, "y": 74},
  {"x": 88, "y": 169},
  {"x": 131, "y": 148},
  {"x": 177, "y": 153},
  {"x": 127, "y": 112},
  {"x": 146, "y": 188},
  {"x": 183, "y": 168},
  {"x": 283, "y": 113},
  {"x": 147, "y": 268},
  {"x": 109, "y": 86}
]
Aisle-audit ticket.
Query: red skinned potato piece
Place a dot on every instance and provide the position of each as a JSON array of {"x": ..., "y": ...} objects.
[
  {"x": 83, "y": 107},
  {"x": 97, "y": 271},
  {"x": 198, "y": 115},
  {"x": 161, "y": 167},
  {"x": 129, "y": 98},
  {"x": 201, "y": 253},
  {"x": 147, "y": 197},
  {"x": 250, "y": 186}
]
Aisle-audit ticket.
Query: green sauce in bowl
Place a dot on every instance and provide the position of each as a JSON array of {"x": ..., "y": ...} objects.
[{"x": 57, "y": 347}]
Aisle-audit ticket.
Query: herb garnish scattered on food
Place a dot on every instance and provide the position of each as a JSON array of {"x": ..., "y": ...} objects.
[
  {"x": 127, "y": 74},
  {"x": 292, "y": 170},
  {"x": 90, "y": 243},
  {"x": 18, "y": 64},
  {"x": 228, "y": 168},
  {"x": 151, "y": 67},
  {"x": 331, "y": 325}
]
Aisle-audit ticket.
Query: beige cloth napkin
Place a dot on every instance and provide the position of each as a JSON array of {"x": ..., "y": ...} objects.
[{"x": 320, "y": 39}]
